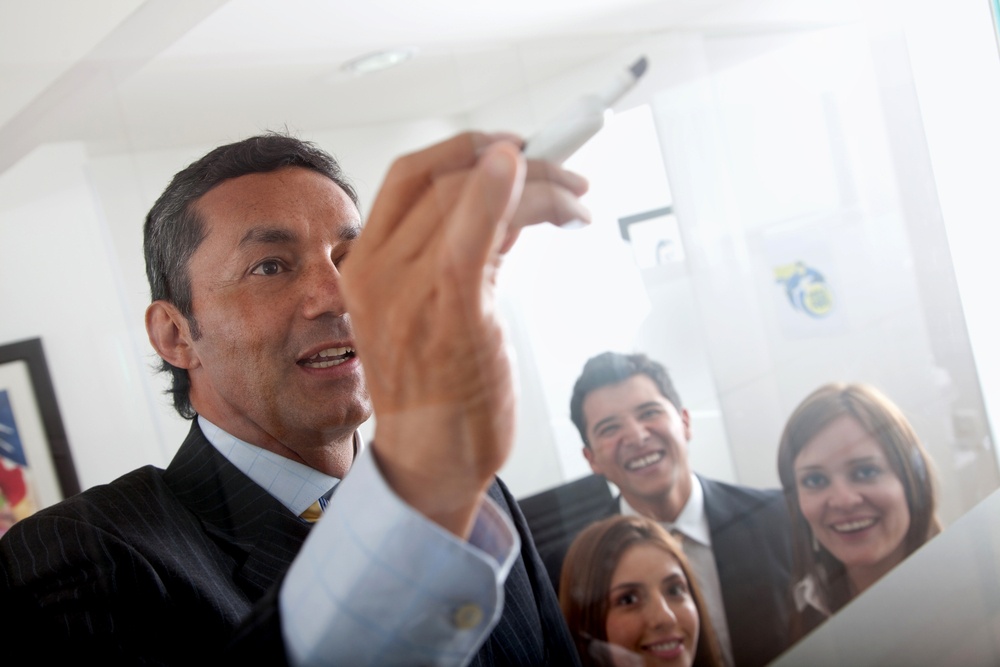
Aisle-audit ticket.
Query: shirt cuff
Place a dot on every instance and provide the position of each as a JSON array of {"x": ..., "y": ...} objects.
[{"x": 377, "y": 583}]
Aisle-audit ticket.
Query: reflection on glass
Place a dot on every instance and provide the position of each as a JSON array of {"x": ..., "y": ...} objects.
[
  {"x": 814, "y": 251},
  {"x": 811, "y": 250}
]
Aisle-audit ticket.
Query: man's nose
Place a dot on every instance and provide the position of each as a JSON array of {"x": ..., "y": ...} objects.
[
  {"x": 322, "y": 292},
  {"x": 636, "y": 432}
]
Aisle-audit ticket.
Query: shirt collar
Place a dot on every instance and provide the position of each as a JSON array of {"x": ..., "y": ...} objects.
[
  {"x": 293, "y": 484},
  {"x": 692, "y": 520}
]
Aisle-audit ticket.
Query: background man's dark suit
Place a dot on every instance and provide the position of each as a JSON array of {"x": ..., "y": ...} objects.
[
  {"x": 160, "y": 564},
  {"x": 752, "y": 547}
]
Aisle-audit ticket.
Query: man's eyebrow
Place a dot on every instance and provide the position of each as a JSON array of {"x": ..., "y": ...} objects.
[
  {"x": 266, "y": 236},
  {"x": 277, "y": 235}
]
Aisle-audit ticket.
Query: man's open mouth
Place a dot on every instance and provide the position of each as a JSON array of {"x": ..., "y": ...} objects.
[
  {"x": 332, "y": 356},
  {"x": 644, "y": 461}
]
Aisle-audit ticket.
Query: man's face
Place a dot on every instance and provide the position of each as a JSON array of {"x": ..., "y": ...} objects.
[
  {"x": 275, "y": 363},
  {"x": 638, "y": 441}
]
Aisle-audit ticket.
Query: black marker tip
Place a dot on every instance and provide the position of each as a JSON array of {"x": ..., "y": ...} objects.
[{"x": 638, "y": 68}]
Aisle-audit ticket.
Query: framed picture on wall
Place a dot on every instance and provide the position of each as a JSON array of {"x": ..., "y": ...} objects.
[
  {"x": 36, "y": 467},
  {"x": 654, "y": 236}
]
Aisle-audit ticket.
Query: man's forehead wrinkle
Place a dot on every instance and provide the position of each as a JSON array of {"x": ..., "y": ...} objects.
[
  {"x": 266, "y": 235},
  {"x": 272, "y": 235}
]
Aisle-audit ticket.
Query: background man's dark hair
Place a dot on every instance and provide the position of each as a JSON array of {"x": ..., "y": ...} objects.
[
  {"x": 174, "y": 229},
  {"x": 611, "y": 368}
]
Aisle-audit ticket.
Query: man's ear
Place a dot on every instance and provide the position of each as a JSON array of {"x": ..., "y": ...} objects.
[
  {"x": 588, "y": 454},
  {"x": 170, "y": 334},
  {"x": 686, "y": 419}
]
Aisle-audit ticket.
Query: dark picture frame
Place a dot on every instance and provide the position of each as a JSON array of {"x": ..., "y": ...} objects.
[
  {"x": 654, "y": 237},
  {"x": 31, "y": 426}
]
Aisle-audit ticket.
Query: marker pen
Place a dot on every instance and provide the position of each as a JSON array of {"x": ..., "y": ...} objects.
[{"x": 562, "y": 136}]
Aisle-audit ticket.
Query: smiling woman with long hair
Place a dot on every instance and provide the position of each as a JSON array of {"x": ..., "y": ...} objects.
[
  {"x": 629, "y": 598},
  {"x": 860, "y": 491}
]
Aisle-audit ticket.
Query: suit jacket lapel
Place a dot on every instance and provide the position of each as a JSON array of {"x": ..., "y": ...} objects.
[
  {"x": 258, "y": 532},
  {"x": 720, "y": 513}
]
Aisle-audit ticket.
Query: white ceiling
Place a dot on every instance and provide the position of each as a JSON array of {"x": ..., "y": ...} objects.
[{"x": 148, "y": 74}]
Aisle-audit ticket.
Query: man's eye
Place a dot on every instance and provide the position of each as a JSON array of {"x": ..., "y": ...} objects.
[
  {"x": 607, "y": 431},
  {"x": 813, "y": 480},
  {"x": 268, "y": 267}
]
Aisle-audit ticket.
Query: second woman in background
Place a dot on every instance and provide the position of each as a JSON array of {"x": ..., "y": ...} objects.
[
  {"x": 629, "y": 598},
  {"x": 860, "y": 493}
]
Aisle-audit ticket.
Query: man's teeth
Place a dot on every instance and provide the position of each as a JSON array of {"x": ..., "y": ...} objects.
[
  {"x": 332, "y": 356},
  {"x": 644, "y": 461},
  {"x": 851, "y": 526}
]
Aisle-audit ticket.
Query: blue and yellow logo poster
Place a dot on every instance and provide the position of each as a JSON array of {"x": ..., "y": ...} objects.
[
  {"x": 806, "y": 294},
  {"x": 806, "y": 288}
]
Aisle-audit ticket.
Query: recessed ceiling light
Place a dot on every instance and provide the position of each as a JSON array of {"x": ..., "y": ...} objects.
[{"x": 374, "y": 62}]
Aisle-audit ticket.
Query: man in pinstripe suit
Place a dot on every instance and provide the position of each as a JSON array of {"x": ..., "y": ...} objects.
[{"x": 255, "y": 256}]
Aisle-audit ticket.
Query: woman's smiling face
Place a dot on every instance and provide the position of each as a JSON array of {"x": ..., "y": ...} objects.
[
  {"x": 853, "y": 500},
  {"x": 651, "y": 611}
]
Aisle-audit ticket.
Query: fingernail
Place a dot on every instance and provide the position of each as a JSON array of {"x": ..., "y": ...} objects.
[
  {"x": 575, "y": 224},
  {"x": 499, "y": 163},
  {"x": 579, "y": 183}
]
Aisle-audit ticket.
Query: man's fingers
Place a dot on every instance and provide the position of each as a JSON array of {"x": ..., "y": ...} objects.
[
  {"x": 417, "y": 203},
  {"x": 412, "y": 175},
  {"x": 544, "y": 201},
  {"x": 425, "y": 220},
  {"x": 556, "y": 175},
  {"x": 485, "y": 206},
  {"x": 550, "y": 195}
]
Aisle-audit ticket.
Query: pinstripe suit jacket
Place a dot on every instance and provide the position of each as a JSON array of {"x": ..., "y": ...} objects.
[{"x": 183, "y": 565}]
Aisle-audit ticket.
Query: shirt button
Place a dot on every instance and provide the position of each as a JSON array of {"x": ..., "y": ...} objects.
[{"x": 467, "y": 616}]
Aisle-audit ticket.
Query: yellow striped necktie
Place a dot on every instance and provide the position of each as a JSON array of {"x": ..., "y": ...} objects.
[{"x": 315, "y": 511}]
